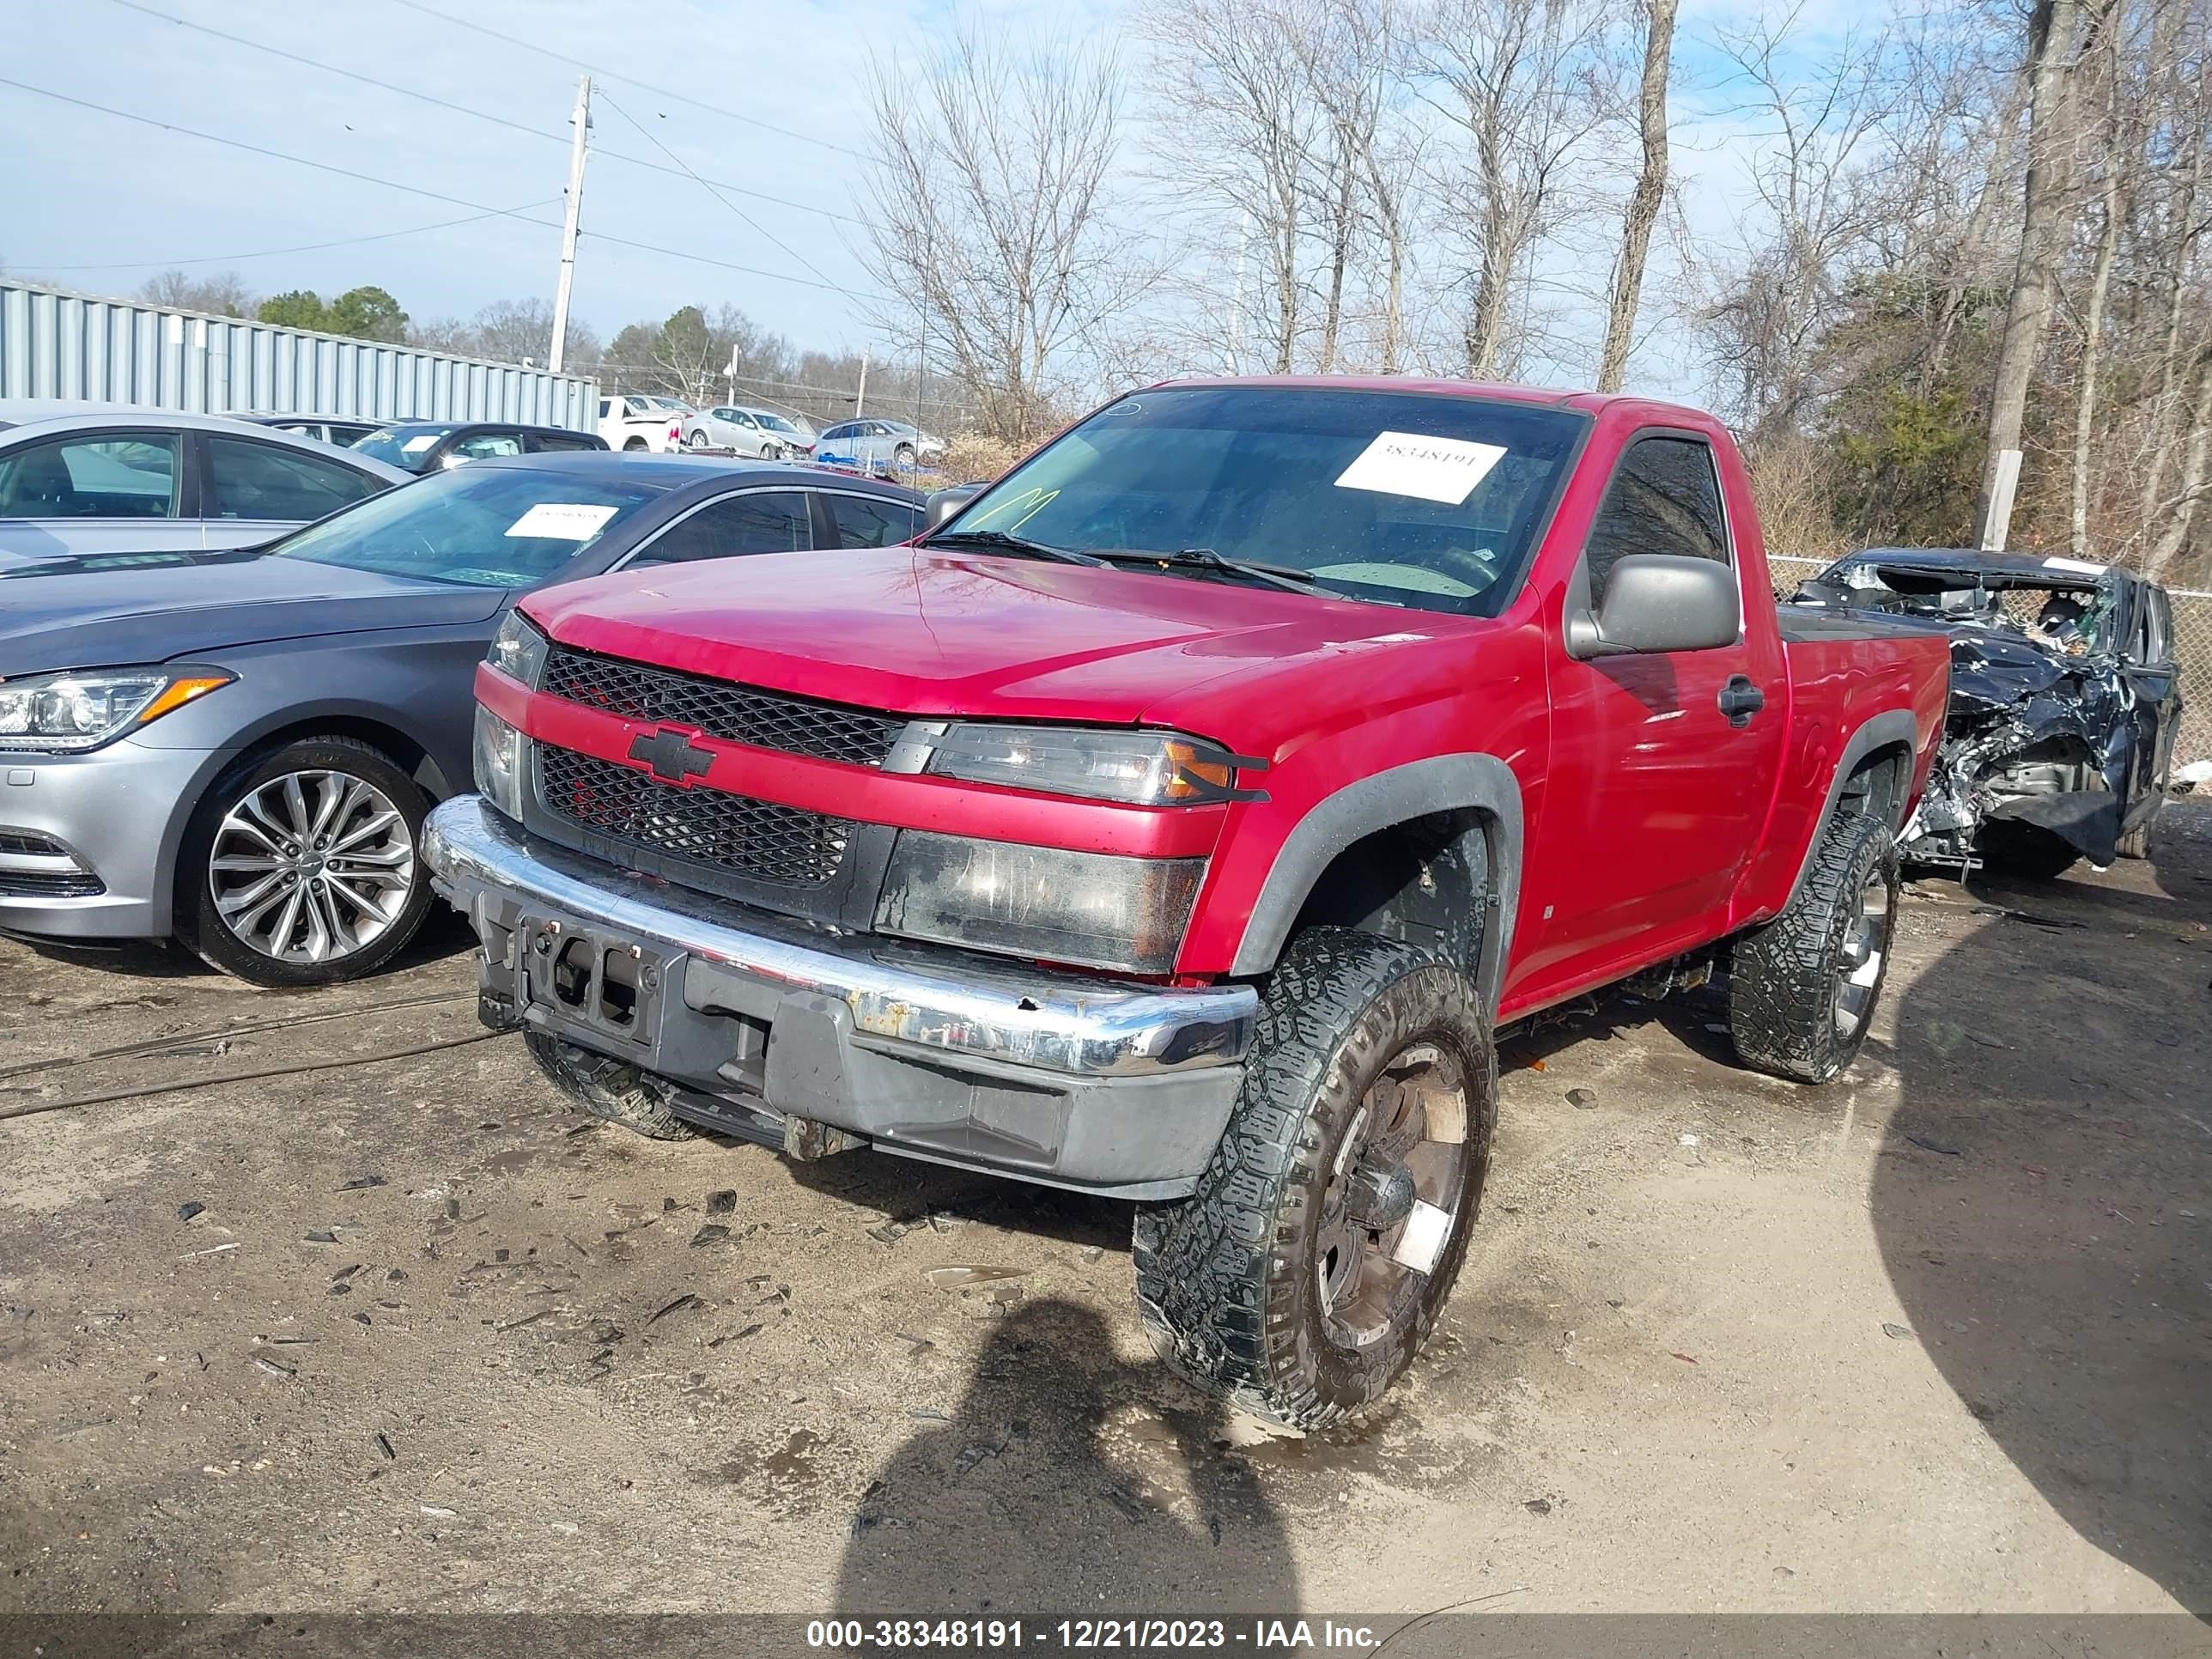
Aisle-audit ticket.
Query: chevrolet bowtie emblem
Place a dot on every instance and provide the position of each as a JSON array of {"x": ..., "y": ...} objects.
[{"x": 673, "y": 757}]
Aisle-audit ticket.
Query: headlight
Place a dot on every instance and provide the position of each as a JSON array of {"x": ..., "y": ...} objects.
[
  {"x": 1090, "y": 909},
  {"x": 501, "y": 754},
  {"x": 84, "y": 708},
  {"x": 1145, "y": 768},
  {"x": 518, "y": 650}
]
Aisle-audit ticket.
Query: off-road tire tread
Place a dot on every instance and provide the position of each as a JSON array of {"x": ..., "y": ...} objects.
[
  {"x": 1220, "y": 1277},
  {"x": 199, "y": 929},
  {"x": 1781, "y": 974},
  {"x": 612, "y": 1090}
]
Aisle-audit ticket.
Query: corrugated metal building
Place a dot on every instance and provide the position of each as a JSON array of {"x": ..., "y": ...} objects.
[{"x": 58, "y": 344}]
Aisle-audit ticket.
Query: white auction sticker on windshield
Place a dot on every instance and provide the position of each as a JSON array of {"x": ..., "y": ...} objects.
[
  {"x": 2077, "y": 566},
  {"x": 420, "y": 442},
  {"x": 567, "y": 521},
  {"x": 1431, "y": 469}
]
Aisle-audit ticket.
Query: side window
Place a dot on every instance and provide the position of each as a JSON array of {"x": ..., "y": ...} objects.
[
  {"x": 560, "y": 442},
  {"x": 1663, "y": 498},
  {"x": 764, "y": 521},
  {"x": 485, "y": 444},
  {"x": 747, "y": 421},
  {"x": 260, "y": 481},
  {"x": 2162, "y": 625},
  {"x": 869, "y": 521},
  {"x": 119, "y": 476}
]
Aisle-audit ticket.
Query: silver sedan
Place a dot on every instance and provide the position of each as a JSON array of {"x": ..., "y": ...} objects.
[
  {"x": 761, "y": 432},
  {"x": 80, "y": 478}
]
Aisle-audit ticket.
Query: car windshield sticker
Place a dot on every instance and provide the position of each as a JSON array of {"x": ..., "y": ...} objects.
[
  {"x": 1429, "y": 469},
  {"x": 2077, "y": 566},
  {"x": 567, "y": 521},
  {"x": 415, "y": 446}
]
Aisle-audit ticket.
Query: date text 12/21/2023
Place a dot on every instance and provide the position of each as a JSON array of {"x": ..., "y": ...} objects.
[{"x": 1088, "y": 1635}]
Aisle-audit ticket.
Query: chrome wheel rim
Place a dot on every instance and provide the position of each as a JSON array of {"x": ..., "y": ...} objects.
[
  {"x": 312, "y": 866},
  {"x": 1392, "y": 1203},
  {"x": 1858, "y": 965}
]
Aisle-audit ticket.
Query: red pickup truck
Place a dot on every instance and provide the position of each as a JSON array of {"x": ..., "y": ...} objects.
[{"x": 1179, "y": 819}]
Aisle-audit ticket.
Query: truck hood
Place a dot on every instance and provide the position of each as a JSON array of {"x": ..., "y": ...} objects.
[
  {"x": 112, "y": 608},
  {"x": 920, "y": 632}
]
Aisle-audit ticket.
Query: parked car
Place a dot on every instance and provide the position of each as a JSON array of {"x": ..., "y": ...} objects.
[
  {"x": 641, "y": 421},
  {"x": 78, "y": 478},
  {"x": 342, "y": 430},
  {"x": 761, "y": 432},
  {"x": 873, "y": 445},
  {"x": 1178, "y": 820},
  {"x": 2065, "y": 700},
  {"x": 237, "y": 749},
  {"x": 424, "y": 446}
]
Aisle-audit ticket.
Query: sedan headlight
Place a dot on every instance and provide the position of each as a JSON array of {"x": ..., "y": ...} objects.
[
  {"x": 502, "y": 753},
  {"x": 518, "y": 650},
  {"x": 1144, "y": 769},
  {"x": 1089, "y": 909},
  {"x": 83, "y": 709}
]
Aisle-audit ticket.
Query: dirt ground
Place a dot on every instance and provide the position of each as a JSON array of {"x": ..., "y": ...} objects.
[{"x": 1937, "y": 1338}]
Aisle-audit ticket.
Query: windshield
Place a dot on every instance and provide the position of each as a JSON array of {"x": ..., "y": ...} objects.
[
  {"x": 479, "y": 527},
  {"x": 2079, "y": 619},
  {"x": 1394, "y": 497},
  {"x": 776, "y": 422},
  {"x": 409, "y": 447}
]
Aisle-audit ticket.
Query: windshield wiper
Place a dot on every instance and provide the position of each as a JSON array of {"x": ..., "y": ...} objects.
[
  {"x": 999, "y": 541},
  {"x": 1205, "y": 558}
]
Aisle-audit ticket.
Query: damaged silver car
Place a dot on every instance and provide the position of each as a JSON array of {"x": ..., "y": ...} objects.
[{"x": 2064, "y": 701}]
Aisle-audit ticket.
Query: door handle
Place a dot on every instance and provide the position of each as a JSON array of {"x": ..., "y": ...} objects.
[{"x": 1740, "y": 700}]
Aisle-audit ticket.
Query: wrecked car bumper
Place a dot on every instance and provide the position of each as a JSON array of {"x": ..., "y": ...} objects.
[{"x": 1055, "y": 1078}]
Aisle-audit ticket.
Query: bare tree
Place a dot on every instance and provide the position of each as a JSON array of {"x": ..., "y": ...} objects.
[
  {"x": 2052, "y": 28},
  {"x": 990, "y": 200},
  {"x": 1644, "y": 202},
  {"x": 2119, "y": 143},
  {"x": 224, "y": 294}
]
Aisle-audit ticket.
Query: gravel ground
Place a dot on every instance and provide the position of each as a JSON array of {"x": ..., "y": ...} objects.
[{"x": 407, "y": 1335}]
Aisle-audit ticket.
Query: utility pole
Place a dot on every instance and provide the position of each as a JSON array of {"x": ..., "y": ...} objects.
[
  {"x": 860, "y": 397},
  {"x": 582, "y": 122}
]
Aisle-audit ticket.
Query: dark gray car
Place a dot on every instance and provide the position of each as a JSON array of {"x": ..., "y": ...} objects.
[{"x": 237, "y": 749}]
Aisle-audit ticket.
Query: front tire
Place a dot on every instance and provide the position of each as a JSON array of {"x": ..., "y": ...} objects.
[
  {"x": 902, "y": 457},
  {"x": 301, "y": 869},
  {"x": 1802, "y": 988},
  {"x": 1304, "y": 1273},
  {"x": 608, "y": 1090}
]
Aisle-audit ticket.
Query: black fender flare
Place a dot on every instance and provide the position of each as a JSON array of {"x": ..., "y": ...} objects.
[
  {"x": 1892, "y": 726},
  {"x": 1442, "y": 783}
]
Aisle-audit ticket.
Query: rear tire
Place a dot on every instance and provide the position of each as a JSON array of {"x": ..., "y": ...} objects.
[
  {"x": 1802, "y": 990},
  {"x": 609, "y": 1090},
  {"x": 1368, "y": 1100},
  {"x": 698, "y": 440},
  {"x": 636, "y": 443},
  {"x": 2135, "y": 843}
]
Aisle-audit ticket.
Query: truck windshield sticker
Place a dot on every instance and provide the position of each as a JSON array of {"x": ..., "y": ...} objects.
[
  {"x": 2078, "y": 567},
  {"x": 1429, "y": 469},
  {"x": 567, "y": 521},
  {"x": 421, "y": 441}
]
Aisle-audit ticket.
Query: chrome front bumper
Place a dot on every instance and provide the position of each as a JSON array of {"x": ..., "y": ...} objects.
[{"x": 1048, "y": 1076}]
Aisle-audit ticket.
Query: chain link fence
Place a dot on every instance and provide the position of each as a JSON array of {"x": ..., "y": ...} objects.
[{"x": 2193, "y": 647}]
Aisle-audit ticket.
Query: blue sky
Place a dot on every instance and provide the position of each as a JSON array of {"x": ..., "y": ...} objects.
[{"x": 99, "y": 202}]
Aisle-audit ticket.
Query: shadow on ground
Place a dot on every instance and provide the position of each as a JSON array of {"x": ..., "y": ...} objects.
[
  {"x": 1040, "y": 1491},
  {"x": 2042, "y": 1198}
]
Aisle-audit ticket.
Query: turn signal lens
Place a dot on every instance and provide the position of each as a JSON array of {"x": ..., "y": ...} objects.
[{"x": 180, "y": 692}]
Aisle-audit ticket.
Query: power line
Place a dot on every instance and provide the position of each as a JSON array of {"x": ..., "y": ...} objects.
[
  {"x": 304, "y": 248},
  {"x": 643, "y": 86},
  {"x": 411, "y": 189},
  {"x": 481, "y": 115},
  {"x": 758, "y": 229}
]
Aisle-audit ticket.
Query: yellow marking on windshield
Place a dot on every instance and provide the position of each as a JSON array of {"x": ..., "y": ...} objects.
[{"x": 1033, "y": 500}]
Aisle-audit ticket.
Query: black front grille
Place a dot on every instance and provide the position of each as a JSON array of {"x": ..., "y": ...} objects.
[
  {"x": 757, "y": 839},
  {"x": 18, "y": 841},
  {"x": 61, "y": 883},
  {"x": 738, "y": 714}
]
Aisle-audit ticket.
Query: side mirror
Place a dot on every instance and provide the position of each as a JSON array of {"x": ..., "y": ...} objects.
[
  {"x": 942, "y": 504},
  {"x": 1658, "y": 602}
]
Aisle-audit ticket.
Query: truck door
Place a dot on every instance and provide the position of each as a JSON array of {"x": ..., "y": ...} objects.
[{"x": 1663, "y": 764}]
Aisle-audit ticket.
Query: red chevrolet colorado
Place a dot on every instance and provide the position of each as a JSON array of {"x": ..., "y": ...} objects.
[{"x": 1179, "y": 820}]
